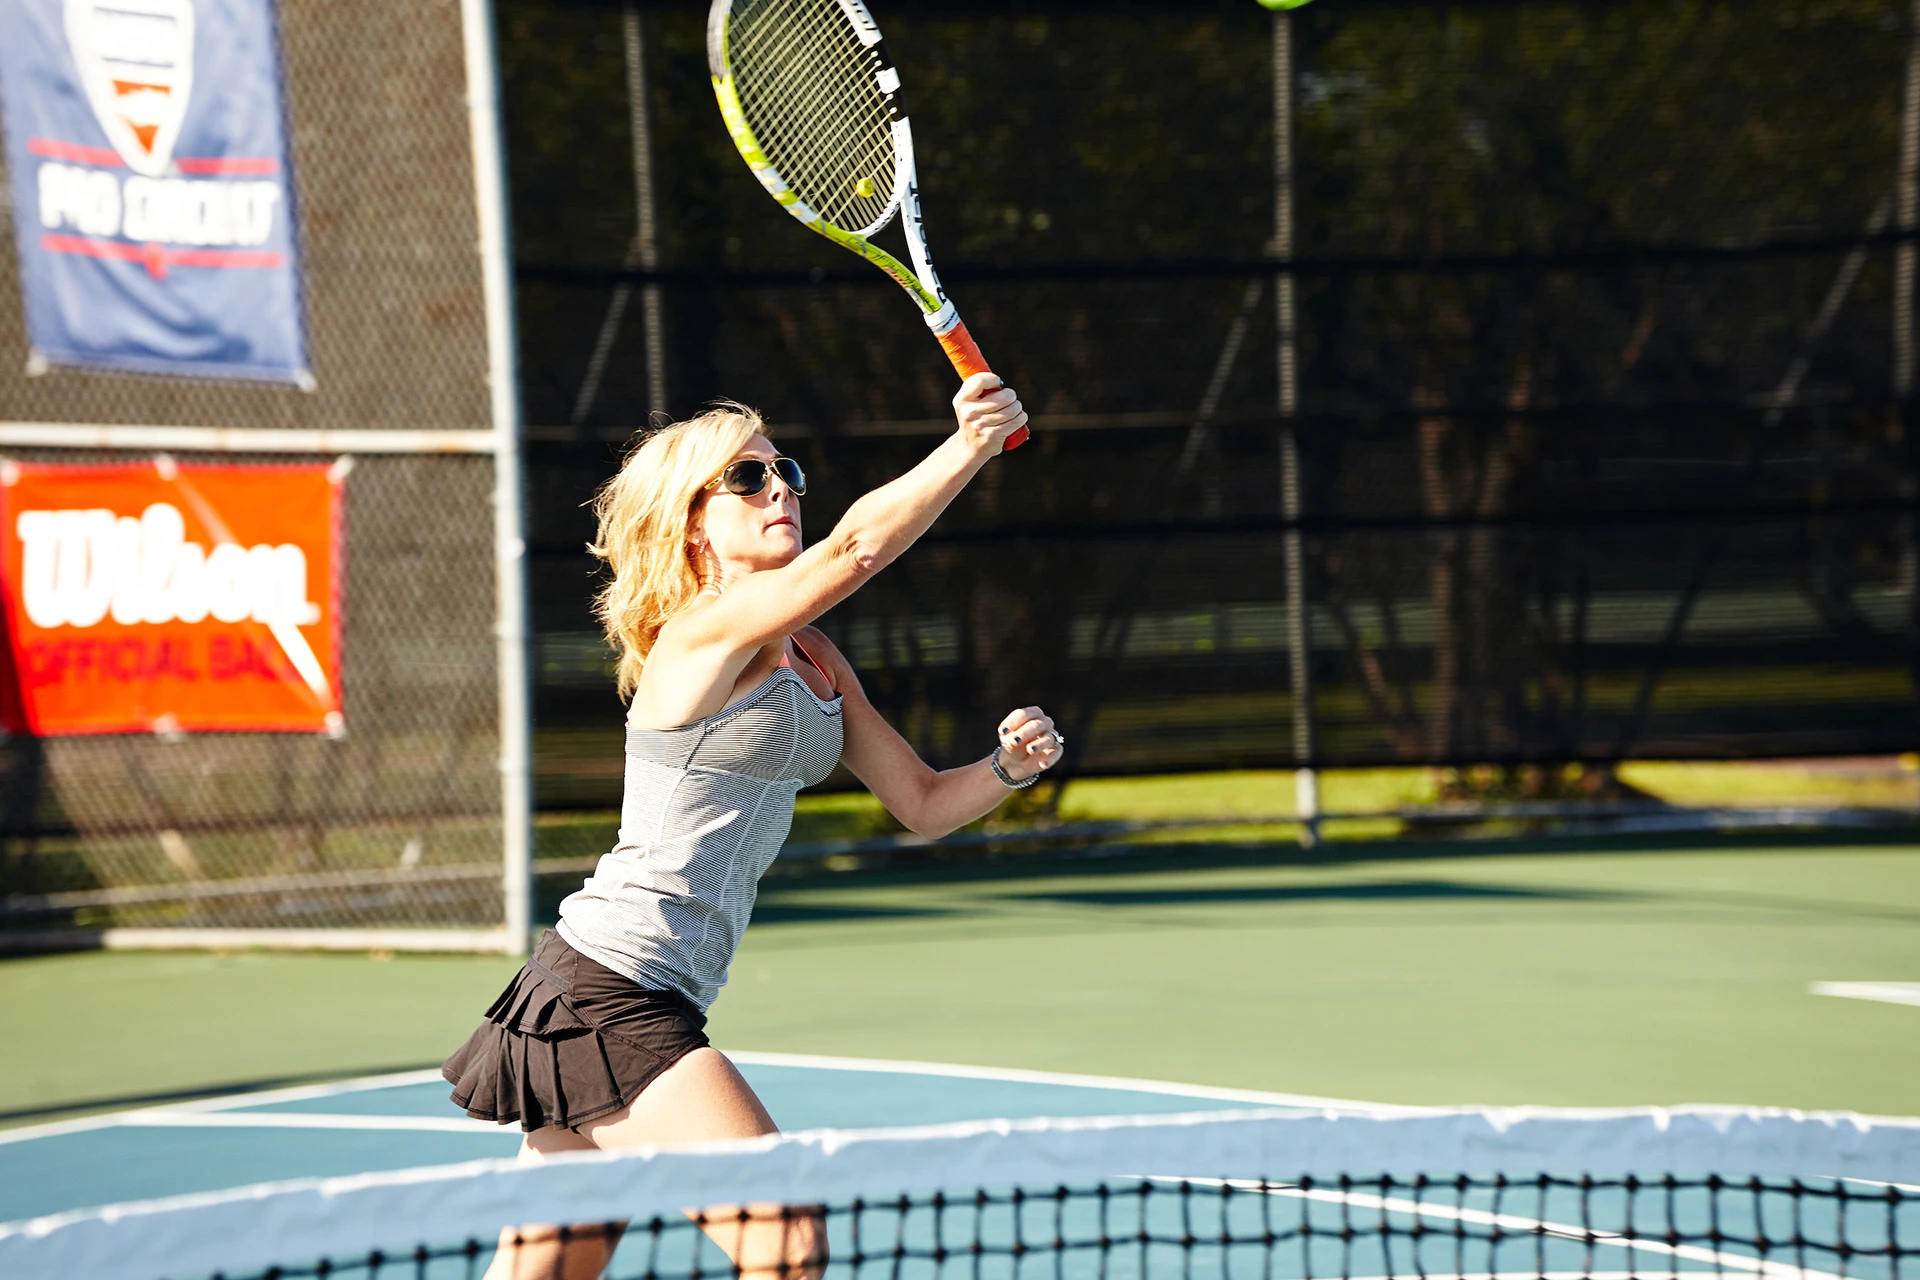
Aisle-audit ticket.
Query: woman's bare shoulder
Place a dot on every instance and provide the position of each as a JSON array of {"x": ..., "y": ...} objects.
[
  {"x": 827, "y": 654},
  {"x": 819, "y": 644},
  {"x": 683, "y": 679},
  {"x": 685, "y": 620}
]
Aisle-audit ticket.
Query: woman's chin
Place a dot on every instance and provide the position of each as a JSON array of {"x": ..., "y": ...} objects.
[{"x": 778, "y": 552}]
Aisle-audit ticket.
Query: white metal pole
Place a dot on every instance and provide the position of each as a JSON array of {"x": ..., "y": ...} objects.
[
  {"x": 1306, "y": 782},
  {"x": 510, "y": 548},
  {"x": 646, "y": 235}
]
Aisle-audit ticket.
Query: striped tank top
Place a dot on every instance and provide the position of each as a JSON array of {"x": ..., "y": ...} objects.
[{"x": 707, "y": 807}]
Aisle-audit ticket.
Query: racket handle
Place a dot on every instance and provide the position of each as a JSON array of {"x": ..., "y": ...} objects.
[{"x": 965, "y": 354}]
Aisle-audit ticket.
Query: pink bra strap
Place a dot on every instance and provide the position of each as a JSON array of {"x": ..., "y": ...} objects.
[{"x": 809, "y": 657}]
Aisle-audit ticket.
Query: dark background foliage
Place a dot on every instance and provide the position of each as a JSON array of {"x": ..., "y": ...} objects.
[{"x": 1603, "y": 453}]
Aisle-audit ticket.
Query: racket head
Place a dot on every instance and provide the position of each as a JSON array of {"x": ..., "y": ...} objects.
[{"x": 812, "y": 102}]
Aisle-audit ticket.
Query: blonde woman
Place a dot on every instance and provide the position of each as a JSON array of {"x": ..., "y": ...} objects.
[{"x": 735, "y": 703}]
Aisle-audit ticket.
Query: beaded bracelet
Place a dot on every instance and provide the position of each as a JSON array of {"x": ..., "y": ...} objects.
[{"x": 993, "y": 762}]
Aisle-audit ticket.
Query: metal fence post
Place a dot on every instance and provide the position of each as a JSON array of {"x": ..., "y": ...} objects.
[
  {"x": 1306, "y": 782},
  {"x": 516, "y": 728}
]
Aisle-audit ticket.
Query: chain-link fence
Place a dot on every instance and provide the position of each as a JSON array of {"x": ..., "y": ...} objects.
[
  {"x": 398, "y": 823},
  {"x": 1604, "y": 400}
]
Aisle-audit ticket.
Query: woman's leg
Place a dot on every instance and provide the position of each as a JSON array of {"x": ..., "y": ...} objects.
[
  {"x": 700, "y": 1098},
  {"x": 545, "y": 1252}
]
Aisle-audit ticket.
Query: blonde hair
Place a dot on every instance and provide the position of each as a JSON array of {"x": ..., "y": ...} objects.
[{"x": 644, "y": 513}]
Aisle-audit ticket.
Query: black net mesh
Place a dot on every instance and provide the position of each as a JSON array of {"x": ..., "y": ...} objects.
[
  {"x": 1604, "y": 371},
  {"x": 1460, "y": 1228},
  {"x": 397, "y": 823}
]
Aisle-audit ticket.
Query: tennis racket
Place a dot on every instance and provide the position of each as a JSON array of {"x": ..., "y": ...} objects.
[{"x": 813, "y": 103}]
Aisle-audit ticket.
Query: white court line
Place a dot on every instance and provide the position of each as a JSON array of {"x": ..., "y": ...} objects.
[
  {"x": 162, "y": 1119},
  {"x": 308, "y": 1092},
  {"x": 1526, "y": 1226},
  {"x": 1887, "y": 992},
  {"x": 300, "y": 1093},
  {"x": 214, "y": 1112},
  {"x": 1015, "y": 1075}
]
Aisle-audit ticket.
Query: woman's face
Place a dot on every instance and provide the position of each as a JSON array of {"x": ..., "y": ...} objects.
[{"x": 748, "y": 533}]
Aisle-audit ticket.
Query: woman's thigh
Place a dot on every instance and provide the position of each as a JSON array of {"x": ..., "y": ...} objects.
[
  {"x": 699, "y": 1098},
  {"x": 547, "y": 1251},
  {"x": 542, "y": 1143}
]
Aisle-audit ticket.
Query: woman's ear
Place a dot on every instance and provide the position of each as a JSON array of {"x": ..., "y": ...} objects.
[
  {"x": 697, "y": 527},
  {"x": 699, "y": 553}
]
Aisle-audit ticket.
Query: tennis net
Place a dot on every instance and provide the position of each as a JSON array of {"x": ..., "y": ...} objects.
[{"x": 1472, "y": 1194}]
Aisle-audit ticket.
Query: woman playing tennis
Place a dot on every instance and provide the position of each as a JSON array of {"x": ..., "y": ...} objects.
[{"x": 736, "y": 704}]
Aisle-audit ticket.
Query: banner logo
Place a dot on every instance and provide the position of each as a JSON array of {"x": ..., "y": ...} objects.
[
  {"x": 164, "y": 598},
  {"x": 154, "y": 216},
  {"x": 135, "y": 59}
]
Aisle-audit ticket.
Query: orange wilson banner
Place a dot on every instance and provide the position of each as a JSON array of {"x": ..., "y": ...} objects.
[{"x": 160, "y": 598}]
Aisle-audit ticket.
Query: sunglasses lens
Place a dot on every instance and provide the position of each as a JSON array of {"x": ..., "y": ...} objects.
[
  {"x": 745, "y": 477},
  {"x": 791, "y": 475},
  {"x": 748, "y": 477}
]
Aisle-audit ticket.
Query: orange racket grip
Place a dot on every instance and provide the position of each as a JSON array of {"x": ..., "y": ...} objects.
[{"x": 965, "y": 354}]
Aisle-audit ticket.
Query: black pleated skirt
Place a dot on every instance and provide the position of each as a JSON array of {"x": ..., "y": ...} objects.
[{"x": 569, "y": 1041}]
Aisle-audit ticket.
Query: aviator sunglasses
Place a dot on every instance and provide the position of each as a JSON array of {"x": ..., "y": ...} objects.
[{"x": 749, "y": 477}]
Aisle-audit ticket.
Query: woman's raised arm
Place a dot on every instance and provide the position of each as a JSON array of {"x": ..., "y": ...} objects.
[{"x": 761, "y": 607}]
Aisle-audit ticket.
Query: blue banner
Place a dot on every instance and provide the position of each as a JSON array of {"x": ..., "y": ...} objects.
[{"x": 152, "y": 198}]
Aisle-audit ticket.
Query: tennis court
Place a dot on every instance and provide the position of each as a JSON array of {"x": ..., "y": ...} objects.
[
  {"x": 1583, "y": 977},
  {"x": 1562, "y": 973}
]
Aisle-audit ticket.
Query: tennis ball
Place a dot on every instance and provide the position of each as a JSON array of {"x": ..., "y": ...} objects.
[
  {"x": 865, "y": 187},
  {"x": 1282, "y": 4}
]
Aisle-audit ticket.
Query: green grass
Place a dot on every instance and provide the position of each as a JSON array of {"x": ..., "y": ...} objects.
[
  {"x": 1555, "y": 974},
  {"x": 1248, "y": 794},
  {"x": 1869, "y": 783}
]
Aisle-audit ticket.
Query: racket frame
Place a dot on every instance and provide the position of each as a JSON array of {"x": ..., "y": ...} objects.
[{"x": 919, "y": 280}]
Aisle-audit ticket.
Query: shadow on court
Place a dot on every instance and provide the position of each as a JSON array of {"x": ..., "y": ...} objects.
[
  {"x": 232, "y": 1088},
  {"x": 937, "y": 864},
  {"x": 1375, "y": 891},
  {"x": 775, "y": 911}
]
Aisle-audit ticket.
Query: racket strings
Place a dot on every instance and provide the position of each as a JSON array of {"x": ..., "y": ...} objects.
[
  {"x": 806, "y": 85},
  {"x": 810, "y": 79}
]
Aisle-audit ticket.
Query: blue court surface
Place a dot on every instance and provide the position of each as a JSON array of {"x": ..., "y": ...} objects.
[{"x": 403, "y": 1121}]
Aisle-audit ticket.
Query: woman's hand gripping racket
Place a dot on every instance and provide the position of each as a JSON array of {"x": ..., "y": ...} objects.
[{"x": 813, "y": 104}]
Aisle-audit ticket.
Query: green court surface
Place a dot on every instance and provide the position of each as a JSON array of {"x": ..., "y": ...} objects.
[{"x": 1553, "y": 974}]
